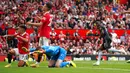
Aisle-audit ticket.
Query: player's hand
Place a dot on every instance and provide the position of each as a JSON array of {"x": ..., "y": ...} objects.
[
  {"x": 17, "y": 36},
  {"x": 39, "y": 18},
  {"x": 28, "y": 23},
  {"x": 5, "y": 36}
]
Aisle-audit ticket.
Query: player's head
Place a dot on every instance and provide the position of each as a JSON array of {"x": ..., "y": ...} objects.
[
  {"x": 47, "y": 6},
  {"x": 22, "y": 29},
  {"x": 38, "y": 48}
]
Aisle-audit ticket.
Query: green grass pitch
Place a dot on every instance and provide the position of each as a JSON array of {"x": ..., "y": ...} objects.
[{"x": 82, "y": 67}]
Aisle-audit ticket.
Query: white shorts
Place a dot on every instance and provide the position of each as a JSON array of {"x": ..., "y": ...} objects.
[
  {"x": 23, "y": 57},
  {"x": 43, "y": 41}
]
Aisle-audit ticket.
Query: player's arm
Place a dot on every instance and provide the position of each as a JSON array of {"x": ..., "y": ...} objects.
[
  {"x": 38, "y": 24},
  {"x": 34, "y": 24},
  {"x": 25, "y": 39},
  {"x": 101, "y": 42},
  {"x": 126, "y": 12},
  {"x": 25, "y": 49},
  {"x": 40, "y": 18},
  {"x": 9, "y": 36},
  {"x": 29, "y": 50},
  {"x": 41, "y": 50}
]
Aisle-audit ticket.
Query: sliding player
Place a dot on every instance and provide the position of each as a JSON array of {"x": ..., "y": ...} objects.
[{"x": 23, "y": 42}]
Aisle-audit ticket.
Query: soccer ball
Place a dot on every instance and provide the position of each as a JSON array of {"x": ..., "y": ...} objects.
[{"x": 30, "y": 59}]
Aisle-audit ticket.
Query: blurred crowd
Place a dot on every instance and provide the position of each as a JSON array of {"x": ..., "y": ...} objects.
[
  {"x": 3, "y": 46},
  {"x": 69, "y": 14},
  {"x": 89, "y": 44}
]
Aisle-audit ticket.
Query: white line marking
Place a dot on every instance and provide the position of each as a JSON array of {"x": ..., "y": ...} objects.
[
  {"x": 117, "y": 69},
  {"x": 110, "y": 69}
]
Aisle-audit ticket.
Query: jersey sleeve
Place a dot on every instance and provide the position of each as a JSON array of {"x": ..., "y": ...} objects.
[
  {"x": 44, "y": 19},
  {"x": 48, "y": 51},
  {"x": 26, "y": 37},
  {"x": 46, "y": 48},
  {"x": 32, "y": 49}
]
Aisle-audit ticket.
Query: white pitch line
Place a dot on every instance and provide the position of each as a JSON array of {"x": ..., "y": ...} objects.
[
  {"x": 111, "y": 69},
  {"x": 105, "y": 62},
  {"x": 117, "y": 69}
]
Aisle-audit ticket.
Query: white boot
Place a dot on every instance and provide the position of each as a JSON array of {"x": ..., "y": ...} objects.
[{"x": 96, "y": 64}]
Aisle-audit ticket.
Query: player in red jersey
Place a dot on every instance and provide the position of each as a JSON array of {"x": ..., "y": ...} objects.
[
  {"x": 44, "y": 28},
  {"x": 44, "y": 25},
  {"x": 23, "y": 42}
]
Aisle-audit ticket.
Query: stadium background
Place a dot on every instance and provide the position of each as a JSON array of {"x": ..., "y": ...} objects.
[{"x": 82, "y": 32}]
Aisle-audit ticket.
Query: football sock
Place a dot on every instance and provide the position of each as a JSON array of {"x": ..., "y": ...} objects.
[
  {"x": 99, "y": 56},
  {"x": 39, "y": 58},
  {"x": 9, "y": 56},
  {"x": 63, "y": 64}
]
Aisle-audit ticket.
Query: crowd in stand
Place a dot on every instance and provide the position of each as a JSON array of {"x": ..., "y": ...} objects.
[
  {"x": 69, "y": 14},
  {"x": 3, "y": 46}
]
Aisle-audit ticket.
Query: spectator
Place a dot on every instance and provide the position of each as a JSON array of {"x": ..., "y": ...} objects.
[
  {"x": 62, "y": 36},
  {"x": 76, "y": 34},
  {"x": 53, "y": 33},
  {"x": 90, "y": 33},
  {"x": 33, "y": 36},
  {"x": 68, "y": 36}
]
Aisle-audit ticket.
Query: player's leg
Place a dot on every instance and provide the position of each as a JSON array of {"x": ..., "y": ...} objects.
[
  {"x": 23, "y": 60},
  {"x": 11, "y": 52},
  {"x": 107, "y": 42},
  {"x": 113, "y": 49},
  {"x": 51, "y": 63},
  {"x": 9, "y": 57},
  {"x": 42, "y": 41},
  {"x": 45, "y": 41},
  {"x": 60, "y": 61},
  {"x": 99, "y": 56},
  {"x": 38, "y": 60},
  {"x": 105, "y": 46},
  {"x": 128, "y": 61}
]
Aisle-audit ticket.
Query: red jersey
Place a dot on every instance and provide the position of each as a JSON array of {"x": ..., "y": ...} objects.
[
  {"x": 22, "y": 44},
  {"x": 45, "y": 28}
]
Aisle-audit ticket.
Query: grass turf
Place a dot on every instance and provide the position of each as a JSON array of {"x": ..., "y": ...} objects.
[{"x": 82, "y": 67}]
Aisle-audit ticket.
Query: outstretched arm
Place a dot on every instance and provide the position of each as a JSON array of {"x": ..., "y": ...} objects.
[{"x": 34, "y": 24}]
